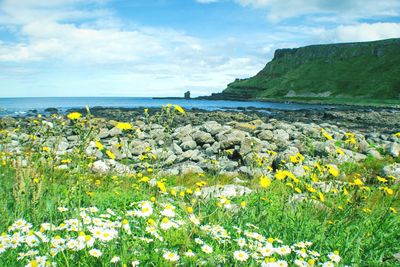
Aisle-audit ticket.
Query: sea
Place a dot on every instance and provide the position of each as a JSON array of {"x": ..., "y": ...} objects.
[{"x": 37, "y": 105}]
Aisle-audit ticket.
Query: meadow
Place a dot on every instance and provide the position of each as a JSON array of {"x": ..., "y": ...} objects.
[{"x": 55, "y": 211}]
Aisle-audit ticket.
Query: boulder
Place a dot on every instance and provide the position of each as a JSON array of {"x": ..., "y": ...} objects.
[{"x": 100, "y": 167}]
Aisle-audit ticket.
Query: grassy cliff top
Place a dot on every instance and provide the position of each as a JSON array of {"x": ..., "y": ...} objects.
[{"x": 366, "y": 71}]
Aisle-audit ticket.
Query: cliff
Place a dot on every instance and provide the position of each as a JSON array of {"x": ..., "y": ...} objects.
[{"x": 369, "y": 70}]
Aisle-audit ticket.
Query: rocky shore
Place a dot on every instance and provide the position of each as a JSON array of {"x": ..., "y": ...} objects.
[{"x": 226, "y": 143}]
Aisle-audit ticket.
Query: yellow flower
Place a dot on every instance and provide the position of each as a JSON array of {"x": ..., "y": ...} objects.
[
  {"x": 265, "y": 182},
  {"x": 74, "y": 115},
  {"x": 189, "y": 209},
  {"x": 321, "y": 197},
  {"x": 46, "y": 149},
  {"x": 381, "y": 179},
  {"x": 298, "y": 190},
  {"x": 339, "y": 151},
  {"x": 179, "y": 109},
  {"x": 394, "y": 210},
  {"x": 397, "y": 135},
  {"x": 124, "y": 126},
  {"x": 162, "y": 186},
  {"x": 99, "y": 145},
  {"x": 358, "y": 182},
  {"x": 110, "y": 154},
  {"x": 326, "y": 135},
  {"x": 333, "y": 170},
  {"x": 243, "y": 204}
]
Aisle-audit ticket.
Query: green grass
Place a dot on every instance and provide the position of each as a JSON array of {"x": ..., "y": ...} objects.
[{"x": 359, "y": 221}]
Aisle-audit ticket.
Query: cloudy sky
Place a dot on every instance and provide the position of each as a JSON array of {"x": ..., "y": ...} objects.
[{"x": 165, "y": 47}]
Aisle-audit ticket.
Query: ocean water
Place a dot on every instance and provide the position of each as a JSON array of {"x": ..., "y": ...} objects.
[{"x": 26, "y": 106}]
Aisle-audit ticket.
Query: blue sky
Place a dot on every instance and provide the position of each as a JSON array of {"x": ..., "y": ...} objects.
[{"x": 165, "y": 47}]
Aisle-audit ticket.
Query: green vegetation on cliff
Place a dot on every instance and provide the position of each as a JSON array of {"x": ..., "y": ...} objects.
[{"x": 368, "y": 70}]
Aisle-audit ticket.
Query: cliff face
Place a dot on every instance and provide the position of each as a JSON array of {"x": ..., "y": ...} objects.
[{"x": 362, "y": 70}]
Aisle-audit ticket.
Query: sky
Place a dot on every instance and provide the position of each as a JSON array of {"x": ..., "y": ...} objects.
[{"x": 143, "y": 48}]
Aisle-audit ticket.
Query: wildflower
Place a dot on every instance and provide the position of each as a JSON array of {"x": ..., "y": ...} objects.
[
  {"x": 110, "y": 154},
  {"x": 99, "y": 145},
  {"x": 171, "y": 256},
  {"x": 207, "y": 249},
  {"x": 280, "y": 175},
  {"x": 397, "y": 135},
  {"x": 358, "y": 182},
  {"x": 135, "y": 263},
  {"x": 334, "y": 256},
  {"x": 124, "y": 126},
  {"x": 321, "y": 196},
  {"x": 265, "y": 182},
  {"x": 333, "y": 170},
  {"x": 339, "y": 151},
  {"x": 381, "y": 179},
  {"x": 74, "y": 116},
  {"x": 240, "y": 255},
  {"x": 189, "y": 253},
  {"x": 243, "y": 204},
  {"x": 95, "y": 253},
  {"x": 326, "y": 135},
  {"x": 393, "y": 210},
  {"x": 179, "y": 109}
]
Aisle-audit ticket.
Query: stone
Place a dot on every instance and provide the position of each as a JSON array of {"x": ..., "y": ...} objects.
[
  {"x": 281, "y": 137},
  {"x": 392, "y": 170},
  {"x": 231, "y": 139},
  {"x": 266, "y": 135},
  {"x": 114, "y": 132},
  {"x": 103, "y": 133},
  {"x": 177, "y": 150},
  {"x": 100, "y": 167},
  {"x": 191, "y": 169},
  {"x": 393, "y": 149},
  {"x": 202, "y": 138},
  {"x": 228, "y": 191},
  {"x": 137, "y": 147},
  {"x": 212, "y": 127},
  {"x": 171, "y": 159},
  {"x": 188, "y": 145}
]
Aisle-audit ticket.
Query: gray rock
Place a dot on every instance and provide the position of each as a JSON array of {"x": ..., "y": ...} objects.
[
  {"x": 103, "y": 133},
  {"x": 281, "y": 137},
  {"x": 393, "y": 149},
  {"x": 392, "y": 170},
  {"x": 363, "y": 146},
  {"x": 177, "y": 150},
  {"x": 212, "y": 127},
  {"x": 100, "y": 167},
  {"x": 114, "y": 132},
  {"x": 374, "y": 153},
  {"x": 137, "y": 147},
  {"x": 229, "y": 140},
  {"x": 188, "y": 145},
  {"x": 266, "y": 135},
  {"x": 228, "y": 191},
  {"x": 63, "y": 146},
  {"x": 190, "y": 155},
  {"x": 171, "y": 159},
  {"x": 202, "y": 138},
  {"x": 191, "y": 169},
  {"x": 299, "y": 171}
]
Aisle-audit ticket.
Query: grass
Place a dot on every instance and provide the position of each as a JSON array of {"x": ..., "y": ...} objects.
[{"x": 357, "y": 222}]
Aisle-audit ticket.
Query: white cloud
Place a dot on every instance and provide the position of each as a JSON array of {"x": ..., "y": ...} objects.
[
  {"x": 366, "y": 32},
  {"x": 339, "y": 10}
]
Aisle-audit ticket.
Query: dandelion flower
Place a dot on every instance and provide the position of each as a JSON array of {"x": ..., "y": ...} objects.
[
  {"x": 265, "y": 182},
  {"x": 179, "y": 109},
  {"x": 124, "y": 126},
  {"x": 74, "y": 116}
]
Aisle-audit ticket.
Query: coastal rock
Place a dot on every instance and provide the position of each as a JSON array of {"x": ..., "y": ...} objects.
[
  {"x": 114, "y": 132},
  {"x": 228, "y": 191},
  {"x": 392, "y": 170},
  {"x": 100, "y": 167},
  {"x": 177, "y": 150},
  {"x": 212, "y": 127},
  {"x": 188, "y": 145},
  {"x": 202, "y": 138},
  {"x": 230, "y": 139},
  {"x": 191, "y": 169},
  {"x": 393, "y": 149},
  {"x": 266, "y": 135}
]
